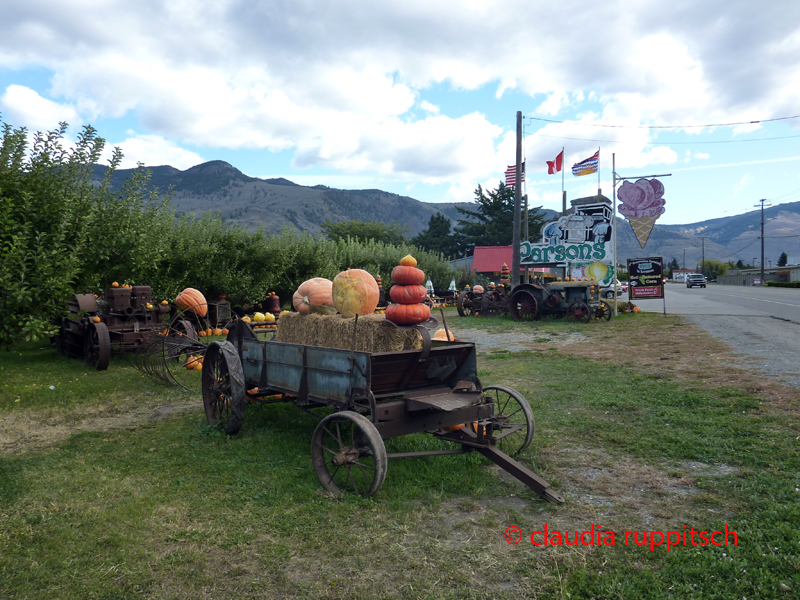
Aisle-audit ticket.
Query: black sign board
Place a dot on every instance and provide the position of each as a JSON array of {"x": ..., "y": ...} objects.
[{"x": 645, "y": 278}]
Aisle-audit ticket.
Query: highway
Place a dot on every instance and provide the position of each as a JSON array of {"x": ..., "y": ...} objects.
[{"x": 762, "y": 323}]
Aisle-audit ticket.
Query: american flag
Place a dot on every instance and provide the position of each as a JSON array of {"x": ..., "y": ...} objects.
[
  {"x": 588, "y": 166},
  {"x": 511, "y": 174}
]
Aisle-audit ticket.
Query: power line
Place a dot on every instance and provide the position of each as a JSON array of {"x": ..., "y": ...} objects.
[
  {"x": 664, "y": 126},
  {"x": 666, "y": 143}
]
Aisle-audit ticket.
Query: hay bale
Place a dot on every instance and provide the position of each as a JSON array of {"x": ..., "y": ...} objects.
[{"x": 374, "y": 333}]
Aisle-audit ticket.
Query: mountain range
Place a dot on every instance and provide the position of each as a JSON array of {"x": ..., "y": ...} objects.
[{"x": 276, "y": 203}]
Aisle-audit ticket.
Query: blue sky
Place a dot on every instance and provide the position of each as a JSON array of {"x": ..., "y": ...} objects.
[{"x": 420, "y": 98}]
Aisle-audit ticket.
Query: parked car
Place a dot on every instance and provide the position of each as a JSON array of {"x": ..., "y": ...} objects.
[
  {"x": 695, "y": 279},
  {"x": 622, "y": 287}
]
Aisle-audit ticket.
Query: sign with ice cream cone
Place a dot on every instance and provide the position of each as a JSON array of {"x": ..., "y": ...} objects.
[{"x": 642, "y": 204}]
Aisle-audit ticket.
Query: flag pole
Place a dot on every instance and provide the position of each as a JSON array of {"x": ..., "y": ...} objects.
[
  {"x": 515, "y": 260},
  {"x": 598, "y": 171},
  {"x": 614, "y": 204},
  {"x": 563, "y": 193}
]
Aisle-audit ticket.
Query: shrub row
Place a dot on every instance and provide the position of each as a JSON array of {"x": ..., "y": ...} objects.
[{"x": 62, "y": 232}]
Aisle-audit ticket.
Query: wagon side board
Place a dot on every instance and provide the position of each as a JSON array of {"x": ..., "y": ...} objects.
[{"x": 313, "y": 374}]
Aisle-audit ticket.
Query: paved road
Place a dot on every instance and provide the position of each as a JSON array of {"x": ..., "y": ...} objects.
[{"x": 762, "y": 323}]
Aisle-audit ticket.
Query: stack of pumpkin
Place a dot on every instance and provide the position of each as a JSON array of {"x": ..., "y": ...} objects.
[{"x": 408, "y": 293}]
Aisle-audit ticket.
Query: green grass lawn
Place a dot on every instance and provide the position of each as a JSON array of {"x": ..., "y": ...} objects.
[{"x": 171, "y": 508}]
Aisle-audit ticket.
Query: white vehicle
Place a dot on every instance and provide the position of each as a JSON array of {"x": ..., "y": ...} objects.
[
  {"x": 695, "y": 279},
  {"x": 608, "y": 292}
]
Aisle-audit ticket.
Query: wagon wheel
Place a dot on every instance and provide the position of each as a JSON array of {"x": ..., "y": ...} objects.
[
  {"x": 223, "y": 386},
  {"x": 510, "y": 410},
  {"x": 603, "y": 311},
  {"x": 348, "y": 454},
  {"x": 97, "y": 346},
  {"x": 523, "y": 306},
  {"x": 181, "y": 346},
  {"x": 579, "y": 312},
  {"x": 464, "y": 304}
]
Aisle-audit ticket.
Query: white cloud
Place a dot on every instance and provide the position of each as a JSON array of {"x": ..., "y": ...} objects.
[
  {"x": 745, "y": 181},
  {"x": 153, "y": 151},
  {"x": 24, "y": 107},
  {"x": 347, "y": 85},
  {"x": 429, "y": 107}
]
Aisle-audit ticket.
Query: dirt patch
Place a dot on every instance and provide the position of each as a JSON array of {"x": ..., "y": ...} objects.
[
  {"x": 36, "y": 430},
  {"x": 668, "y": 348}
]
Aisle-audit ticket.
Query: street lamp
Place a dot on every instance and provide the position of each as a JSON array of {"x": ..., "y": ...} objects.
[{"x": 754, "y": 260}]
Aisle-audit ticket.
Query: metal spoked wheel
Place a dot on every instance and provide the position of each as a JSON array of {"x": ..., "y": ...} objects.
[
  {"x": 181, "y": 345},
  {"x": 523, "y": 306},
  {"x": 465, "y": 304},
  {"x": 224, "y": 386},
  {"x": 603, "y": 311},
  {"x": 512, "y": 416},
  {"x": 348, "y": 454},
  {"x": 97, "y": 346},
  {"x": 579, "y": 312}
]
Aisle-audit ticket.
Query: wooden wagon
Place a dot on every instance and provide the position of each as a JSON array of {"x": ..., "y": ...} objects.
[{"x": 375, "y": 396}]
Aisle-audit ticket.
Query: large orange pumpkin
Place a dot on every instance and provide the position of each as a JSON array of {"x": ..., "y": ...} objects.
[
  {"x": 355, "y": 292},
  {"x": 403, "y": 275},
  {"x": 442, "y": 334},
  {"x": 408, "y": 314},
  {"x": 193, "y": 300},
  {"x": 408, "y": 294},
  {"x": 314, "y": 296}
]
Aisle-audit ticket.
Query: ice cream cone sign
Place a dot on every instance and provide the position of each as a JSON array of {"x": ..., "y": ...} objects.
[{"x": 642, "y": 204}]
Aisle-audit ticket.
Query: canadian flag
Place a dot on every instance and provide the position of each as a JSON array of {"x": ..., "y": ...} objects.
[{"x": 554, "y": 166}]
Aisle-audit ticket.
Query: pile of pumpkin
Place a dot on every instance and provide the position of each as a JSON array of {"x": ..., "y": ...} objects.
[
  {"x": 262, "y": 320},
  {"x": 628, "y": 307},
  {"x": 356, "y": 292}
]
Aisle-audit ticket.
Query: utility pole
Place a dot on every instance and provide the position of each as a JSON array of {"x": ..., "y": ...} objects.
[
  {"x": 684, "y": 259},
  {"x": 704, "y": 254},
  {"x": 762, "y": 236},
  {"x": 515, "y": 258}
]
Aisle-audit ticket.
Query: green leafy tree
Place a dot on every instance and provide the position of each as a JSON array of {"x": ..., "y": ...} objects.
[
  {"x": 673, "y": 266},
  {"x": 62, "y": 231},
  {"x": 740, "y": 264},
  {"x": 715, "y": 268},
  {"x": 437, "y": 236},
  {"x": 492, "y": 223},
  {"x": 363, "y": 231},
  {"x": 782, "y": 259}
]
